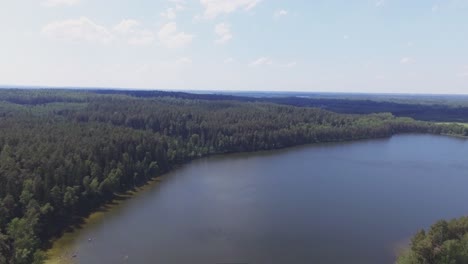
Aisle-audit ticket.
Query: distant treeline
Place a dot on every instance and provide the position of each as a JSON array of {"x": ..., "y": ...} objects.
[
  {"x": 65, "y": 153},
  {"x": 440, "y": 111}
]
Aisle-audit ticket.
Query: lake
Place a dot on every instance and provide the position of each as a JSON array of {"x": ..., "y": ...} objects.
[{"x": 356, "y": 202}]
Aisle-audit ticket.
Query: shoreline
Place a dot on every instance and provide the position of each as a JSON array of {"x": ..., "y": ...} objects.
[
  {"x": 60, "y": 251},
  {"x": 455, "y": 136}
]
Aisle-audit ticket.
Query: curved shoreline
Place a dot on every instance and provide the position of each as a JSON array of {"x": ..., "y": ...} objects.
[{"x": 60, "y": 251}]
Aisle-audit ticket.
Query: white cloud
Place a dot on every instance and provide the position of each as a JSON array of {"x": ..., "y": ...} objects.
[
  {"x": 54, "y": 3},
  {"x": 82, "y": 29},
  {"x": 345, "y": 37},
  {"x": 170, "y": 14},
  {"x": 126, "y": 26},
  {"x": 214, "y": 8},
  {"x": 266, "y": 61},
  {"x": 406, "y": 60},
  {"x": 263, "y": 61},
  {"x": 280, "y": 13},
  {"x": 435, "y": 8},
  {"x": 171, "y": 38},
  {"x": 179, "y": 4},
  {"x": 380, "y": 3},
  {"x": 133, "y": 33},
  {"x": 141, "y": 38},
  {"x": 223, "y": 31}
]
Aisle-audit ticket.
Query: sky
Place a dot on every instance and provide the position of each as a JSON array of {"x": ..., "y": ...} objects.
[{"x": 377, "y": 46}]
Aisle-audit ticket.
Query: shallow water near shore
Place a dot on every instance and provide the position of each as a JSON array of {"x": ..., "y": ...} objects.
[{"x": 354, "y": 202}]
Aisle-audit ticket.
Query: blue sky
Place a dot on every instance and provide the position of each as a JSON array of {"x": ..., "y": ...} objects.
[{"x": 396, "y": 46}]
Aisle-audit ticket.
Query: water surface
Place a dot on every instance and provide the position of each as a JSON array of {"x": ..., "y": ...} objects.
[{"x": 333, "y": 203}]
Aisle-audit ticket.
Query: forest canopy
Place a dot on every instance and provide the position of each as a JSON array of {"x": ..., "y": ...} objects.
[{"x": 446, "y": 242}]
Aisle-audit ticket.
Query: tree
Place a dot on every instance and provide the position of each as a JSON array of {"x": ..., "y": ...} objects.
[
  {"x": 21, "y": 231},
  {"x": 70, "y": 198},
  {"x": 28, "y": 193},
  {"x": 438, "y": 233},
  {"x": 4, "y": 248}
]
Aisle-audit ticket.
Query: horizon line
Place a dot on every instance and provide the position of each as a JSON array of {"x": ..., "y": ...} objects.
[{"x": 15, "y": 86}]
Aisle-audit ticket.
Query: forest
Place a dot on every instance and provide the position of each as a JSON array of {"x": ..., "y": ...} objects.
[
  {"x": 65, "y": 153},
  {"x": 427, "y": 108},
  {"x": 446, "y": 242}
]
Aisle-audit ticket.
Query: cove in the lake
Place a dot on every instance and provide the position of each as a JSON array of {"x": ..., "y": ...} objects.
[{"x": 356, "y": 202}]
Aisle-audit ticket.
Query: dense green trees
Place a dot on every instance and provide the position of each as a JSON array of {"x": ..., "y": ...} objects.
[
  {"x": 64, "y": 154},
  {"x": 444, "y": 243}
]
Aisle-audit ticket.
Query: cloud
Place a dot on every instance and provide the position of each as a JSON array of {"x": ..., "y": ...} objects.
[
  {"x": 133, "y": 33},
  {"x": 170, "y": 14},
  {"x": 406, "y": 60},
  {"x": 171, "y": 38},
  {"x": 435, "y": 8},
  {"x": 223, "y": 31},
  {"x": 141, "y": 38},
  {"x": 54, "y": 3},
  {"x": 266, "y": 61},
  {"x": 380, "y": 3},
  {"x": 345, "y": 37},
  {"x": 179, "y": 4},
  {"x": 280, "y": 13},
  {"x": 214, "y": 8},
  {"x": 82, "y": 29},
  {"x": 263, "y": 61},
  {"x": 126, "y": 26}
]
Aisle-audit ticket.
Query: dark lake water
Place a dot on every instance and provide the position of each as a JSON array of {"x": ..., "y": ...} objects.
[{"x": 333, "y": 203}]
